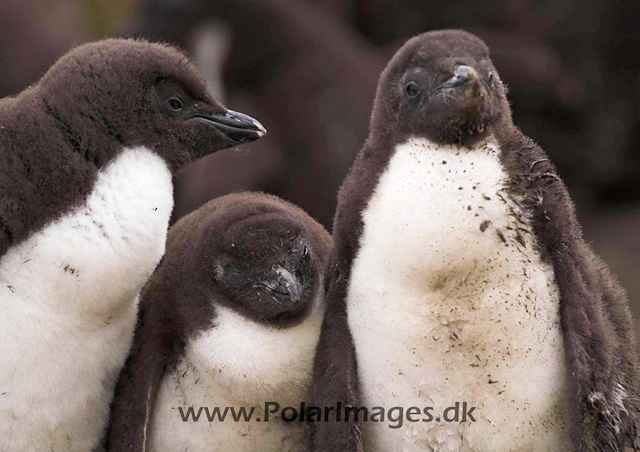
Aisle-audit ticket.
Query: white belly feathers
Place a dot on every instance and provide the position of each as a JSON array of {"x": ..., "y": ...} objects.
[
  {"x": 238, "y": 364},
  {"x": 450, "y": 302},
  {"x": 69, "y": 296}
]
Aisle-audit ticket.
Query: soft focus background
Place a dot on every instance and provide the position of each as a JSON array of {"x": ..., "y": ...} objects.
[{"x": 308, "y": 70}]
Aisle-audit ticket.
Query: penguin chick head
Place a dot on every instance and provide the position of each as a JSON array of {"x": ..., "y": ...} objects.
[
  {"x": 442, "y": 86},
  {"x": 121, "y": 92},
  {"x": 267, "y": 267},
  {"x": 256, "y": 254}
]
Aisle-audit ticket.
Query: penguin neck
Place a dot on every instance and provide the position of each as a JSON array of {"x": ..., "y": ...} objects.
[
  {"x": 92, "y": 134},
  {"x": 244, "y": 362},
  {"x": 91, "y": 262},
  {"x": 458, "y": 194}
]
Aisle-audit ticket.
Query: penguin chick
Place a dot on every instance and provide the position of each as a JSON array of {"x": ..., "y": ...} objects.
[
  {"x": 459, "y": 275},
  {"x": 87, "y": 157},
  {"x": 230, "y": 319}
]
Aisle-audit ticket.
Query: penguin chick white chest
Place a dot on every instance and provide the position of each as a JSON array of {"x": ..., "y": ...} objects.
[
  {"x": 449, "y": 301},
  {"x": 238, "y": 365},
  {"x": 69, "y": 295}
]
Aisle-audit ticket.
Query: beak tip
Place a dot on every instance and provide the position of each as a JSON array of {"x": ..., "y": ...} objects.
[
  {"x": 236, "y": 126},
  {"x": 260, "y": 129},
  {"x": 290, "y": 285}
]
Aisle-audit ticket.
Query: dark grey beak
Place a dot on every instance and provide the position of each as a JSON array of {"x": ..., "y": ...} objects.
[
  {"x": 236, "y": 126},
  {"x": 284, "y": 287},
  {"x": 461, "y": 75}
]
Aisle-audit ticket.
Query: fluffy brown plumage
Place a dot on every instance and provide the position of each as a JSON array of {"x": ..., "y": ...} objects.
[
  {"x": 219, "y": 255},
  {"x": 100, "y": 97},
  {"x": 310, "y": 76},
  {"x": 595, "y": 317}
]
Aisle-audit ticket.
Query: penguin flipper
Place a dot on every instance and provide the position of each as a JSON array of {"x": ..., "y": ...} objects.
[
  {"x": 594, "y": 310},
  {"x": 335, "y": 378},
  {"x": 600, "y": 347},
  {"x": 623, "y": 407},
  {"x": 138, "y": 384}
]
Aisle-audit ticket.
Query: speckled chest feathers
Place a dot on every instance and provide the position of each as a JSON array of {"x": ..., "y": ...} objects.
[
  {"x": 449, "y": 301},
  {"x": 69, "y": 295}
]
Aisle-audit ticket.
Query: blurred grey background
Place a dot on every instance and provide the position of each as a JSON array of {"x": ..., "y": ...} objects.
[{"x": 308, "y": 70}]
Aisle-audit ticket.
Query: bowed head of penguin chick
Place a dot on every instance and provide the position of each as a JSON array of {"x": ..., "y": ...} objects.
[
  {"x": 459, "y": 271},
  {"x": 231, "y": 317},
  {"x": 87, "y": 157}
]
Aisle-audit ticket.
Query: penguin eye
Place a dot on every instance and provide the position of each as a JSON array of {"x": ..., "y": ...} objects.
[
  {"x": 412, "y": 89},
  {"x": 175, "y": 103},
  {"x": 233, "y": 277}
]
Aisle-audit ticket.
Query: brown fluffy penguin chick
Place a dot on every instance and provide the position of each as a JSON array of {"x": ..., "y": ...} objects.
[
  {"x": 459, "y": 276},
  {"x": 87, "y": 158},
  {"x": 231, "y": 318}
]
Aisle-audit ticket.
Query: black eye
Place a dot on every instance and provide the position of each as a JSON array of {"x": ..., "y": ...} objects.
[
  {"x": 490, "y": 77},
  {"x": 175, "y": 103},
  {"x": 233, "y": 277},
  {"x": 412, "y": 89}
]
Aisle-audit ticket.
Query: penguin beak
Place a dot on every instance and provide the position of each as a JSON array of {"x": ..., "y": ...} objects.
[
  {"x": 465, "y": 86},
  {"x": 462, "y": 75},
  {"x": 283, "y": 287},
  {"x": 236, "y": 126}
]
